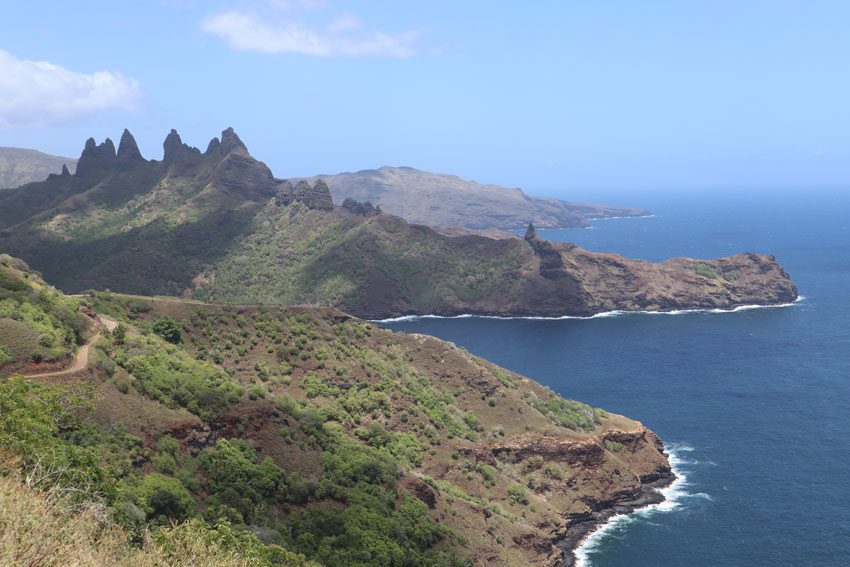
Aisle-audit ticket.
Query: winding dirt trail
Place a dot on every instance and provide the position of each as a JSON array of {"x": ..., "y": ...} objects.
[{"x": 81, "y": 358}]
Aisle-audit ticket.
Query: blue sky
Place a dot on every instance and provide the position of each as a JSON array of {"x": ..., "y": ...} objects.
[{"x": 559, "y": 97}]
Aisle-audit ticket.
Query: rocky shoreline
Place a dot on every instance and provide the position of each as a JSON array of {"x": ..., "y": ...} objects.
[{"x": 581, "y": 526}]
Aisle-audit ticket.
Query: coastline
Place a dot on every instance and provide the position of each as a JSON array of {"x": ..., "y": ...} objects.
[
  {"x": 582, "y": 528},
  {"x": 604, "y": 314},
  {"x": 663, "y": 493}
]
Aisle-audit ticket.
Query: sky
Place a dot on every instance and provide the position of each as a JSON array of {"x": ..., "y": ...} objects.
[{"x": 557, "y": 97}]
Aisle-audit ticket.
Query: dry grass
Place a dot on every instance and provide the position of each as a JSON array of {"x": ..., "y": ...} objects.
[{"x": 39, "y": 529}]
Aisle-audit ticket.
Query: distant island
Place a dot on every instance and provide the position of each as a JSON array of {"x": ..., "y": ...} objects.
[
  {"x": 219, "y": 226},
  {"x": 441, "y": 200}
]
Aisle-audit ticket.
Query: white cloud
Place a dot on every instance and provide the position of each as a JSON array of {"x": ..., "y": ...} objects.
[
  {"x": 345, "y": 35},
  {"x": 41, "y": 93}
]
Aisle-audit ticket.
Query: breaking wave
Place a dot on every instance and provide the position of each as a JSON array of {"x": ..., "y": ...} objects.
[
  {"x": 676, "y": 496},
  {"x": 615, "y": 313}
]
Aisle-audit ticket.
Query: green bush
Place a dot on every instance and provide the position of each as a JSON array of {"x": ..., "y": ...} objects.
[
  {"x": 171, "y": 376},
  {"x": 517, "y": 494},
  {"x": 168, "y": 329},
  {"x": 235, "y": 479},
  {"x": 163, "y": 498}
]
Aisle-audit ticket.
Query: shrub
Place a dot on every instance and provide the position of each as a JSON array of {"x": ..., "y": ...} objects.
[
  {"x": 168, "y": 329},
  {"x": 488, "y": 473},
  {"x": 553, "y": 471},
  {"x": 518, "y": 494}
]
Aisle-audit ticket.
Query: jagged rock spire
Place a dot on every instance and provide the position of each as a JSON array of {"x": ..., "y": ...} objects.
[
  {"x": 174, "y": 150},
  {"x": 213, "y": 147},
  {"x": 127, "y": 147},
  {"x": 284, "y": 194},
  {"x": 530, "y": 232},
  {"x": 96, "y": 155},
  {"x": 172, "y": 147},
  {"x": 65, "y": 171},
  {"x": 316, "y": 197},
  {"x": 366, "y": 209},
  {"x": 302, "y": 190},
  {"x": 230, "y": 142}
]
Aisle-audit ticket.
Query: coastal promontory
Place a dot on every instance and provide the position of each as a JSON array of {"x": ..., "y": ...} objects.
[{"x": 219, "y": 226}]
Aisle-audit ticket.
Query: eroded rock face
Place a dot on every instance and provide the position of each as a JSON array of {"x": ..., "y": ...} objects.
[
  {"x": 240, "y": 173},
  {"x": 128, "y": 149},
  {"x": 285, "y": 194},
  {"x": 213, "y": 148},
  {"x": 366, "y": 209},
  {"x": 96, "y": 156},
  {"x": 175, "y": 151},
  {"x": 316, "y": 197},
  {"x": 550, "y": 259},
  {"x": 230, "y": 142}
]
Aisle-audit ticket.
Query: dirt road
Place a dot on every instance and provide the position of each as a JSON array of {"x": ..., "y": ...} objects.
[{"x": 81, "y": 358}]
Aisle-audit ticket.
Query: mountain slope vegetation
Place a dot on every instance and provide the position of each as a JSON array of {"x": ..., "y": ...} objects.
[
  {"x": 303, "y": 434},
  {"x": 37, "y": 323}
]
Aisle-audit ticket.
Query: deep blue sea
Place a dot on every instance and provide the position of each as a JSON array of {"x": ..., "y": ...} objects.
[{"x": 753, "y": 405}]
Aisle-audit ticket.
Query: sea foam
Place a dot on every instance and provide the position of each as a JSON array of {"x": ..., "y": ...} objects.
[
  {"x": 603, "y": 315},
  {"x": 676, "y": 496}
]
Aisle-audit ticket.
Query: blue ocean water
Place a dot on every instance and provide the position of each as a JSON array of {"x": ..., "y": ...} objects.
[{"x": 754, "y": 405}]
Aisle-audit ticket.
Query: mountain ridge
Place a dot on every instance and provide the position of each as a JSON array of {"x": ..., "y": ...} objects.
[{"x": 220, "y": 226}]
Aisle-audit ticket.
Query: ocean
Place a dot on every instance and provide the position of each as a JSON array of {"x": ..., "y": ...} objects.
[{"x": 753, "y": 405}]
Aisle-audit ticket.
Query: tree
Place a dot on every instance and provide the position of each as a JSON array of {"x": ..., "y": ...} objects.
[{"x": 168, "y": 329}]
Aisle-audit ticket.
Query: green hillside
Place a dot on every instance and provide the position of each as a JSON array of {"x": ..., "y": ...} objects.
[{"x": 304, "y": 434}]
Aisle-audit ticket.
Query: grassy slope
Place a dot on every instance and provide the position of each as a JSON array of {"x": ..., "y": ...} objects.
[
  {"x": 145, "y": 228},
  {"x": 377, "y": 264},
  {"x": 464, "y": 433},
  {"x": 426, "y": 452},
  {"x": 41, "y": 527}
]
